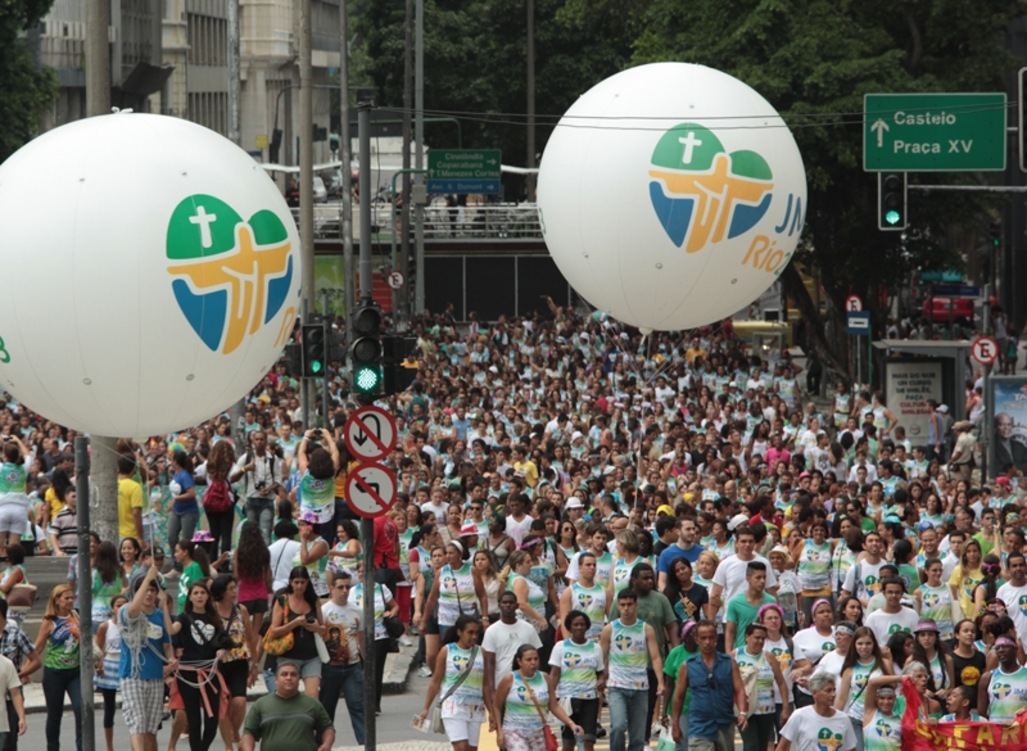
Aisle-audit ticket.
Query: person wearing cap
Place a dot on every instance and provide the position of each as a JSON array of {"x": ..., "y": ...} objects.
[
  {"x": 893, "y": 616},
  {"x": 930, "y": 652},
  {"x": 1002, "y": 692}
]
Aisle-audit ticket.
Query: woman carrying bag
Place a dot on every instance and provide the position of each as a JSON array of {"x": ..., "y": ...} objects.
[
  {"x": 518, "y": 706},
  {"x": 459, "y": 673}
]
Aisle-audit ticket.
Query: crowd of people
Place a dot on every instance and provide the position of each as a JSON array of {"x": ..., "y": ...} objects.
[{"x": 660, "y": 539}]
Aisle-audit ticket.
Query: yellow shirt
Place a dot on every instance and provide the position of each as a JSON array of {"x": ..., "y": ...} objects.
[
  {"x": 56, "y": 504},
  {"x": 130, "y": 496},
  {"x": 529, "y": 470},
  {"x": 965, "y": 586}
]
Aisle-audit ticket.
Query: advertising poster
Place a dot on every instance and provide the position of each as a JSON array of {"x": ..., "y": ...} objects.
[
  {"x": 329, "y": 282},
  {"x": 1008, "y": 423},
  {"x": 908, "y": 386}
]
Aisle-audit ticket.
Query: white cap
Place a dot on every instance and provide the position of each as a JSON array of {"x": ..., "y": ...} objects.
[
  {"x": 574, "y": 502},
  {"x": 737, "y": 521}
]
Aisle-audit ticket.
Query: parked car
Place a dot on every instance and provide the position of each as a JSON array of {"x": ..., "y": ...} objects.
[
  {"x": 292, "y": 193},
  {"x": 939, "y": 309}
]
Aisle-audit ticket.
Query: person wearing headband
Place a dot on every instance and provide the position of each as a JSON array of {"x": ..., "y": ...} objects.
[
  {"x": 832, "y": 662},
  {"x": 882, "y": 726},
  {"x": 1002, "y": 700},
  {"x": 811, "y": 645}
]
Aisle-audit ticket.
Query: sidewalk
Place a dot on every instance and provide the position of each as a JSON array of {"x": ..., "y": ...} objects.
[{"x": 397, "y": 671}]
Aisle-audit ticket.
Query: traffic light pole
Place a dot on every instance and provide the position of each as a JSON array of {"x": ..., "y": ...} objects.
[{"x": 364, "y": 186}]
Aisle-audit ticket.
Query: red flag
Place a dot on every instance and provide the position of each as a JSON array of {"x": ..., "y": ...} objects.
[{"x": 920, "y": 735}]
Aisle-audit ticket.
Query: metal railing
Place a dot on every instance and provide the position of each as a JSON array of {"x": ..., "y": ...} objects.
[{"x": 496, "y": 221}]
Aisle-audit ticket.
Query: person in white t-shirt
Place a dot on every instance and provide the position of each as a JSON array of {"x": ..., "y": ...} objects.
[
  {"x": 821, "y": 725},
  {"x": 729, "y": 579},
  {"x": 892, "y": 617},
  {"x": 503, "y": 638},
  {"x": 1014, "y": 592}
]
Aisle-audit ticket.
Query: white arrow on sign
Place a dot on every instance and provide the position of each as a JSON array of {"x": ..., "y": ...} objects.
[
  {"x": 371, "y": 490},
  {"x": 879, "y": 127}
]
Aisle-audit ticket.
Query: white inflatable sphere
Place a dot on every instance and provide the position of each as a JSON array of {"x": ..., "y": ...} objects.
[
  {"x": 671, "y": 195},
  {"x": 152, "y": 274}
]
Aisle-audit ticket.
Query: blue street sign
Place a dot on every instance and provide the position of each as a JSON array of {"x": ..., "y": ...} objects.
[{"x": 859, "y": 323}]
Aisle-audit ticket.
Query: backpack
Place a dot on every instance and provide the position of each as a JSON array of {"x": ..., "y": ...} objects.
[{"x": 219, "y": 497}]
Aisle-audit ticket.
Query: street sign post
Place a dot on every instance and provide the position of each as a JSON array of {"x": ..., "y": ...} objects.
[
  {"x": 371, "y": 490},
  {"x": 984, "y": 350},
  {"x": 859, "y": 323},
  {"x": 369, "y": 434},
  {"x": 853, "y": 304},
  {"x": 464, "y": 170},
  {"x": 934, "y": 132}
]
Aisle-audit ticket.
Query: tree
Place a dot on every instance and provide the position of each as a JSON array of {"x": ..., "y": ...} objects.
[
  {"x": 26, "y": 90},
  {"x": 814, "y": 60}
]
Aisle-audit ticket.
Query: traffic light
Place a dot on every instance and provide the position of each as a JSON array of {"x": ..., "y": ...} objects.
[
  {"x": 891, "y": 200},
  {"x": 995, "y": 235},
  {"x": 396, "y": 374},
  {"x": 365, "y": 353},
  {"x": 314, "y": 360}
]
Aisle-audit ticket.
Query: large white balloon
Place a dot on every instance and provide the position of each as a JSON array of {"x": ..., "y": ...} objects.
[
  {"x": 152, "y": 274},
  {"x": 671, "y": 195}
]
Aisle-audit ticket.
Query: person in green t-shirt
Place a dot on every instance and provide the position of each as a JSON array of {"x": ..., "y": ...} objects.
[
  {"x": 743, "y": 608},
  {"x": 287, "y": 720},
  {"x": 674, "y": 663}
]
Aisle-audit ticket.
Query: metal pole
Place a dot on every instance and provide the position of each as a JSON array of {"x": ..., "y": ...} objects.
[
  {"x": 346, "y": 157},
  {"x": 530, "y": 177},
  {"x": 85, "y": 592},
  {"x": 370, "y": 656},
  {"x": 306, "y": 156},
  {"x": 234, "y": 75},
  {"x": 418, "y": 159},
  {"x": 98, "y": 60},
  {"x": 398, "y": 298},
  {"x": 364, "y": 136}
]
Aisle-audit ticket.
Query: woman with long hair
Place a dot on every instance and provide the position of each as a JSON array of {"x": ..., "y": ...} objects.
[
  {"x": 348, "y": 553},
  {"x": 935, "y": 599},
  {"x": 930, "y": 652},
  {"x": 428, "y": 623},
  {"x": 520, "y": 702},
  {"x": 317, "y": 458},
  {"x": 129, "y": 553},
  {"x": 987, "y": 590},
  {"x": 184, "y": 511},
  {"x": 219, "y": 466},
  {"x": 968, "y": 662},
  {"x": 781, "y": 647},
  {"x": 297, "y": 609},
  {"x": 236, "y": 663},
  {"x": 108, "y": 580},
  {"x": 58, "y": 642},
  {"x": 488, "y": 571},
  {"x": 458, "y": 589},
  {"x": 498, "y": 542},
  {"x": 196, "y": 633},
  {"x": 459, "y": 674},
  {"x": 900, "y": 647},
  {"x": 689, "y": 600},
  {"x": 966, "y": 576},
  {"x": 850, "y": 609},
  {"x": 531, "y": 601},
  {"x": 864, "y": 660},
  {"x": 251, "y": 562},
  {"x": 108, "y": 665}
]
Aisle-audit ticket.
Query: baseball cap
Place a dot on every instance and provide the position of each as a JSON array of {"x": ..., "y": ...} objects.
[
  {"x": 1003, "y": 481},
  {"x": 469, "y": 528},
  {"x": 574, "y": 503}
]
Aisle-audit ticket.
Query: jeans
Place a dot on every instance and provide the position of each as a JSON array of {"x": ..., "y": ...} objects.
[
  {"x": 202, "y": 728},
  {"x": 11, "y": 741},
  {"x": 857, "y": 728},
  {"x": 759, "y": 732},
  {"x": 55, "y": 684},
  {"x": 627, "y": 717},
  {"x": 348, "y": 681},
  {"x": 381, "y": 651},
  {"x": 683, "y": 724},
  {"x": 181, "y": 527},
  {"x": 262, "y": 511}
]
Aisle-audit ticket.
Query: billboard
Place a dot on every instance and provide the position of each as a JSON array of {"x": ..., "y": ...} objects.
[
  {"x": 908, "y": 386},
  {"x": 1007, "y": 423}
]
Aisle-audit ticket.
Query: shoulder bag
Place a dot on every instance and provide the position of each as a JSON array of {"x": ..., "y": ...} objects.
[
  {"x": 435, "y": 717},
  {"x": 277, "y": 646},
  {"x": 551, "y": 743}
]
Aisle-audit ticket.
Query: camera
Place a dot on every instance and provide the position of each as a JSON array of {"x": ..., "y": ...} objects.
[
  {"x": 316, "y": 435},
  {"x": 260, "y": 484},
  {"x": 311, "y": 618}
]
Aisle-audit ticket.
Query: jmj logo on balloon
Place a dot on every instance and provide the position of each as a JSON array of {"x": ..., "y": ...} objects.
[
  {"x": 671, "y": 195},
  {"x": 171, "y": 263}
]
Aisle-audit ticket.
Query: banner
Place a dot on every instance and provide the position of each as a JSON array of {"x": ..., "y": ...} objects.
[
  {"x": 908, "y": 386},
  {"x": 920, "y": 735},
  {"x": 1008, "y": 413}
]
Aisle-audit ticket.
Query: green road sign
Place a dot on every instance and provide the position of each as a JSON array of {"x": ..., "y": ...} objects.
[
  {"x": 464, "y": 170},
  {"x": 934, "y": 132}
]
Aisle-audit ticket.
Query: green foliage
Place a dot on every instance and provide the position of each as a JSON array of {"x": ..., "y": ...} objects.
[{"x": 25, "y": 90}]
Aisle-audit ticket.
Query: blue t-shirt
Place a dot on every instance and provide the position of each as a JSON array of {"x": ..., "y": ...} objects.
[
  {"x": 672, "y": 553},
  {"x": 151, "y": 664},
  {"x": 185, "y": 481}
]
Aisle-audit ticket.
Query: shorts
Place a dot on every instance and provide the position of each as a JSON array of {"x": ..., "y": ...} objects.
[
  {"x": 255, "y": 606},
  {"x": 584, "y": 712},
  {"x": 458, "y": 729},
  {"x": 431, "y": 625},
  {"x": 308, "y": 668},
  {"x": 14, "y": 518},
  {"x": 142, "y": 704},
  {"x": 235, "y": 674},
  {"x": 525, "y": 740}
]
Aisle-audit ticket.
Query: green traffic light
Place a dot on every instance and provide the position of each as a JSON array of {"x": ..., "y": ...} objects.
[
  {"x": 893, "y": 217},
  {"x": 367, "y": 379},
  {"x": 316, "y": 366}
]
